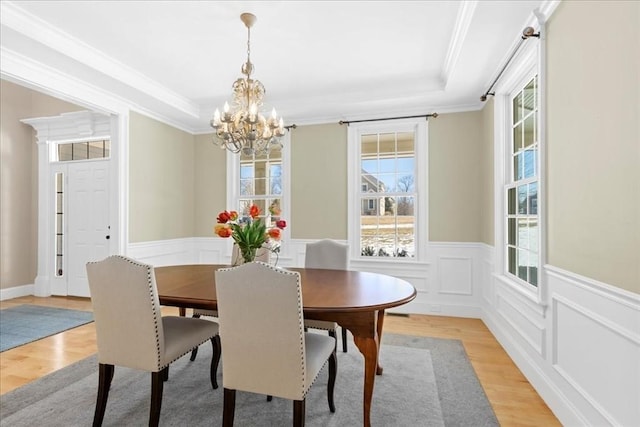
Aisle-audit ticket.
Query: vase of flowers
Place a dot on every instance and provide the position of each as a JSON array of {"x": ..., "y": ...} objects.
[{"x": 249, "y": 232}]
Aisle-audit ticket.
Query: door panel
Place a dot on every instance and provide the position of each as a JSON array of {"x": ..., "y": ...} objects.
[{"x": 87, "y": 221}]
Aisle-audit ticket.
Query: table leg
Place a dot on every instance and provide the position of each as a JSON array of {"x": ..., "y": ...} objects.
[
  {"x": 369, "y": 349},
  {"x": 379, "y": 331},
  {"x": 182, "y": 311}
]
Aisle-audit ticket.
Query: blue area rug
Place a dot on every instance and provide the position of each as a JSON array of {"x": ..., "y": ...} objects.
[{"x": 25, "y": 323}]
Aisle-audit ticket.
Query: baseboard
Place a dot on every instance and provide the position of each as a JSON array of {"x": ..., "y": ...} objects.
[{"x": 16, "y": 292}]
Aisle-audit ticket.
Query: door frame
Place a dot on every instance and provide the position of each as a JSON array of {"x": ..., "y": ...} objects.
[
  {"x": 44, "y": 78},
  {"x": 65, "y": 127}
]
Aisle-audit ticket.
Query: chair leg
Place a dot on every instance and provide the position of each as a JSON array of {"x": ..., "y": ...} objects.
[
  {"x": 269, "y": 398},
  {"x": 344, "y": 340},
  {"x": 215, "y": 359},
  {"x": 165, "y": 374},
  {"x": 229, "y": 407},
  {"x": 333, "y": 373},
  {"x": 157, "y": 384},
  {"x": 298, "y": 413},
  {"x": 105, "y": 375},
  {"x": 194, "y": 352}
]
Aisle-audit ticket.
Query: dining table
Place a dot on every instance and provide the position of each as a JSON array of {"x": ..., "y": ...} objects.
[{"x": 356, "y": 300}]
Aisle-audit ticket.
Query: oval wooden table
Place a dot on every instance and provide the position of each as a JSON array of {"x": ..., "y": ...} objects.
[{"x": 355, "y": 300}]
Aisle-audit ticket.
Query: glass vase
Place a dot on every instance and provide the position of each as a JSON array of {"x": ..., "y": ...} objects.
[{"x": 247, "y": 254}]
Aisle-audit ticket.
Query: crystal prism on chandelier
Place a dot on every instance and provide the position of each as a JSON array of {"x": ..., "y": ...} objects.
[{"x": 242, "y": 128}]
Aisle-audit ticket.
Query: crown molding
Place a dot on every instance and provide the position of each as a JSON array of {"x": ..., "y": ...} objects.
[
  {"x": 463, "y": 22},
  {"x": 41, "y": 31}
]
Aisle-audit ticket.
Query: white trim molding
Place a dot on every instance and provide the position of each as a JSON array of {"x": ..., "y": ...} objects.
[{"x": 581, "y": 353}]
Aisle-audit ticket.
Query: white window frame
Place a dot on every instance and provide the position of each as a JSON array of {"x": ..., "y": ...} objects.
[
  {"x": 528, "y": 63},
  {"x": 233, "y": 191},
  {"x": 419, "y": 127}
]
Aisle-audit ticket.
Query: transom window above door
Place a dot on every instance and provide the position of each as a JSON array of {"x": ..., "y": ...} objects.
[{"x": 82, "y": 150}]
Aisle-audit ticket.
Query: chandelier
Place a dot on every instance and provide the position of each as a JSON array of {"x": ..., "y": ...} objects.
[{"x": 242, "y": 128}]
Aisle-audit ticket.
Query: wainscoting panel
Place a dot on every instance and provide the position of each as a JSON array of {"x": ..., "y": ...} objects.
[
  {"x": 163, "y": 252},
  {"x": 596, "y": 345},
  {"x": 516, "y": 314},
  {"x": 580, "y": 349},
  {"x": 455, "y": 275}
]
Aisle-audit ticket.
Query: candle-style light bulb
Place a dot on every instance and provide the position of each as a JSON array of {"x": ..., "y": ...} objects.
[
  {"x": 216, "y": 117},
  {"x": 226, "y": 107},
  {"x": 273, "y": 114}
]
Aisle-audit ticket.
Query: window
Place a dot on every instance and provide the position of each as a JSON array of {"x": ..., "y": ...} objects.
[
  {"x": 84, "y": 150},
  {"x": 519, "y": 193},
  {"x": 523, "y": 231},
  {"x": 261, "y": 180},
  {"x": 59, "y": 223},
  {"x": 387, "y": 173},
  {"x": 261, "y": 184}
]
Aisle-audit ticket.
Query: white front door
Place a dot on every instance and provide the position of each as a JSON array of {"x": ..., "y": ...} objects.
[{"x": 86, "y": 223}]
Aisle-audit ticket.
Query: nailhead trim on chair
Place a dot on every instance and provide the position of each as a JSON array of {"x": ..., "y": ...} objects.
[
  {"x": 300, "y": 312},
  {"x": 156, "y": 323}
]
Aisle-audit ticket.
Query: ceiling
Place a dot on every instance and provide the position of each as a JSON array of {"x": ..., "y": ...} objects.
[{"x": 320, "y": 61}]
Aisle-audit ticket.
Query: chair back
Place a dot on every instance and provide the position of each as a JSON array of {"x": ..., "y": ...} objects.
[
  {"x": 126, "y": 311},
  {"x": 261, "y": 329},
  {"x": 327, "y": 254}
]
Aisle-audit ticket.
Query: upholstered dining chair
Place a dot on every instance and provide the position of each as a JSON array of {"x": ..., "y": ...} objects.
[
  {"x": 330, "y": 255},
  {"x": 132, "y": 332},
  {"x": 289, "y": 358},
  {"x": 262, "y": 254}
]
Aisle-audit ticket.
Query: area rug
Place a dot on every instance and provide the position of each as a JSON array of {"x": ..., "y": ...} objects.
[
  {"x": 426, "y": 382},
  {"x": 25, "y": 323}
]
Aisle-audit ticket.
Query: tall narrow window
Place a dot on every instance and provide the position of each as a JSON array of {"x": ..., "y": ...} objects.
[
  {"x": 261, "y": 184},
  {"x": 59, "y": 224},
  {"x": 390, "y": 174},
  {"x": 522, "y": 228}
]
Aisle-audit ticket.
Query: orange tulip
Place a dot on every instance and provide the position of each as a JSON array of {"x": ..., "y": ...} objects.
[
  {"x": 223, "y": 230},
  {"x": 274, "y": 233},
  {"x": 254, "y": 211}
]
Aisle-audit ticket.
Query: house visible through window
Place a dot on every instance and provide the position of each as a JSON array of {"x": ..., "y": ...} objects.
[{"x": 384, "y": 219}]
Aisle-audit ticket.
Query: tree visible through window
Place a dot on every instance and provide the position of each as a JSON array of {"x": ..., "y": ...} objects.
[{"x": 388, "y": 196}]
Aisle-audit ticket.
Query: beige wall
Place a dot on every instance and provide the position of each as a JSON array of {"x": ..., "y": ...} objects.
[
  {"x": 593, "y": 141},
  {"x": 487, "y": 218},
  {"x": 455, "y": 172},
  {"x": 161, "y": 181},
  {"x": 210, "y": 184},
  {"x": 19, "y": 180},
  {"x": 319, "y": 182}
]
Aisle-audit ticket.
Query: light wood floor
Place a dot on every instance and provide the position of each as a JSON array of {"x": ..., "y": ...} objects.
[{"x": 513, "y": 399}]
